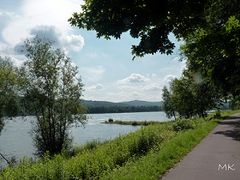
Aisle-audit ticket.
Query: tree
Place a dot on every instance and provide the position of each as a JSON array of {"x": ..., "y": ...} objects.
[
  {"x": 151, "y": 21},
  {"x": 210, "y": 29},
  {"x": 182, "y": 97},
  {"x": 189, "y": 98},
  {"x": 53, "y": 90},
  {"x": 214, "y": 51},
  {"x": 9, "y": 88},
  {"x": 168, "y": 105}
]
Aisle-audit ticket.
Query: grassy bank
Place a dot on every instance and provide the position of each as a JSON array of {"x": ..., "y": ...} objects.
[
  {"x": 144, "y": 154},
  {"x": 93, "y": 163},
  {"x": 159, "y": 160}
]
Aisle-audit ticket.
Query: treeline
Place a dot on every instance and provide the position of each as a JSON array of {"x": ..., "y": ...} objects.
[
  {"x": 187, "y": 97},
  {"x": 122, "y": 109},
  {"x": 22, "y": 107}
]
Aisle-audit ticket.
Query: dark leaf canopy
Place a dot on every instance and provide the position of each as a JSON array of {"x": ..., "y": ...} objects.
[{"x": 151, "y": 21}]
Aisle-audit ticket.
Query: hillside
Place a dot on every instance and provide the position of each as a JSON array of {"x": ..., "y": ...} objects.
[
  {"x": 90, "y": 103},
  {"x": 142, "y": 103},
  {"x": 129, "y": 106}
]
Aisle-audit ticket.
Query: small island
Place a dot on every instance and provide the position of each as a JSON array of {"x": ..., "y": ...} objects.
[{"x": 133, "y": 123}]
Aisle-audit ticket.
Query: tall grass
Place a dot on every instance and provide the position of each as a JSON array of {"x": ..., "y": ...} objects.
[{"x": 158, "y": 161}]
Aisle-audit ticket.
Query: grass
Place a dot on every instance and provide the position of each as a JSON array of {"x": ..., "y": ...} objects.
[
  {"x": 159, "y": 160},
  {"x": 145, "y": 154}
]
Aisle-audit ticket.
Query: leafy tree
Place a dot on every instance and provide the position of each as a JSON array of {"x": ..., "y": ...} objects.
[
  {"x": 214, "y": 49},
  {"x": 182, "y": 97},
  {"x": 206, "y": 97},
  {"x": 9, "y": 88},
  {"x": 151, "y": 21},
  {"x": 210, "y": 29},
  {"x": 189, "y": 98},
  {"x": 168, "y": 105},
  {"x": 215, "y": 53},
  {"x": 53, "y": 90}
]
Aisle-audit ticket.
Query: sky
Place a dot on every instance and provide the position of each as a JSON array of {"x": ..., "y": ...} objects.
[{"x": 106, "y": 66}]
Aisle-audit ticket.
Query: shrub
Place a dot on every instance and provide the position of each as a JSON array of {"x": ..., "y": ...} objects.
[
  {"x": 134, "y": 123},
  {"x": 183, "y": 124},
  {"x": 110, "y": 120},
  {"x": 217, "y": 115},
  {"x": 144, "y": 143}
]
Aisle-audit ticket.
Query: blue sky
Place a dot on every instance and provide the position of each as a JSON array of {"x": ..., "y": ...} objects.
[{"x": 106, "y": 67}]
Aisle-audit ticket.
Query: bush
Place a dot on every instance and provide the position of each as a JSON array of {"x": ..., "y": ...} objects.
[
  {"x": 134, "y": 123},
  {"x": 110, "y": 120},
  {"x": 183, "y": 124},
  {"x": 217, "y": 115},
  {"x": 144, "y": 143}
]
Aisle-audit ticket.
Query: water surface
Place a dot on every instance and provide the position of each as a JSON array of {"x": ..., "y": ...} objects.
[{"x": 16, "y": 137}]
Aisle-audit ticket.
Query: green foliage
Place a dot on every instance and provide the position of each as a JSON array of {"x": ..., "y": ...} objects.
[
  {"x": 217, "y": 115},
  {"x": 53, "y": 90},
  {"x": 165, "y": 156},
  {"x": 146, "y": 20},
  {"x": 235, "y": 102},
  {"x": 183, "y": 124},
  {"x": 9, "y": 89},
  {"x": 168, "y": 105},
  {"x": 216, "y": 52},
  {"x": 89, "y": 146},
  {"x": 110, "y": 120},
  {"x": 144, "y": 143},
  {"x": 189, "y": 97}
]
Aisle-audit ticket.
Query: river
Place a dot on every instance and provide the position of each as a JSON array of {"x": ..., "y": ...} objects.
[{"x": 16, "y": 138}]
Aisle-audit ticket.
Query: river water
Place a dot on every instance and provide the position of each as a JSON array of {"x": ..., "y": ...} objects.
[{"x": 16, "y": 138}]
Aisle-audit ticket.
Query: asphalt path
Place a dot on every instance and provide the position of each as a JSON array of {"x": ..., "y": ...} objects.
[{"x": 217, "y": 157}]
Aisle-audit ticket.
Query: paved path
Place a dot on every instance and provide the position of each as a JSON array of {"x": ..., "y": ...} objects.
[{"x": 217, "y": 157}]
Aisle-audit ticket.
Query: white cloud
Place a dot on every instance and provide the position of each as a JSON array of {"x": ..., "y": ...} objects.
[
  {"x": 133, "y": 79},
  {"x": 59, "y": 40},
  {"x": 8, "y": 51},
  {"x": 135, "y": 86},
  {"x": 168, "y": 78},
  {"x": 153, "y": 87},
  {"x": 7, "y": 14},
  {"x": 92, "y": 74},
  {"x": 47, "y": 18},
  {"x": 97, "y": 55},
  {"x": 94, "y": 87},
  {"x": 73, "y": 42}
]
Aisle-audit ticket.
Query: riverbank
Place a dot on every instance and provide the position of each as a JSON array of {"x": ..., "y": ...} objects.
[{"x": 154, "y": 148}]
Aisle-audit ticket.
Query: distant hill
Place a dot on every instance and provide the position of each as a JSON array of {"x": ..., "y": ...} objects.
[
  {"x": 127, "y": 103},
  {"x": 90, "y": 103},
  {"x": 129, "y": 106},
  {"x": 142, "y": 103}
]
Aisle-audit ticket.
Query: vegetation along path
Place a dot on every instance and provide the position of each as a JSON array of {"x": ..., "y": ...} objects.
[{"x": 217, "y": 157}]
